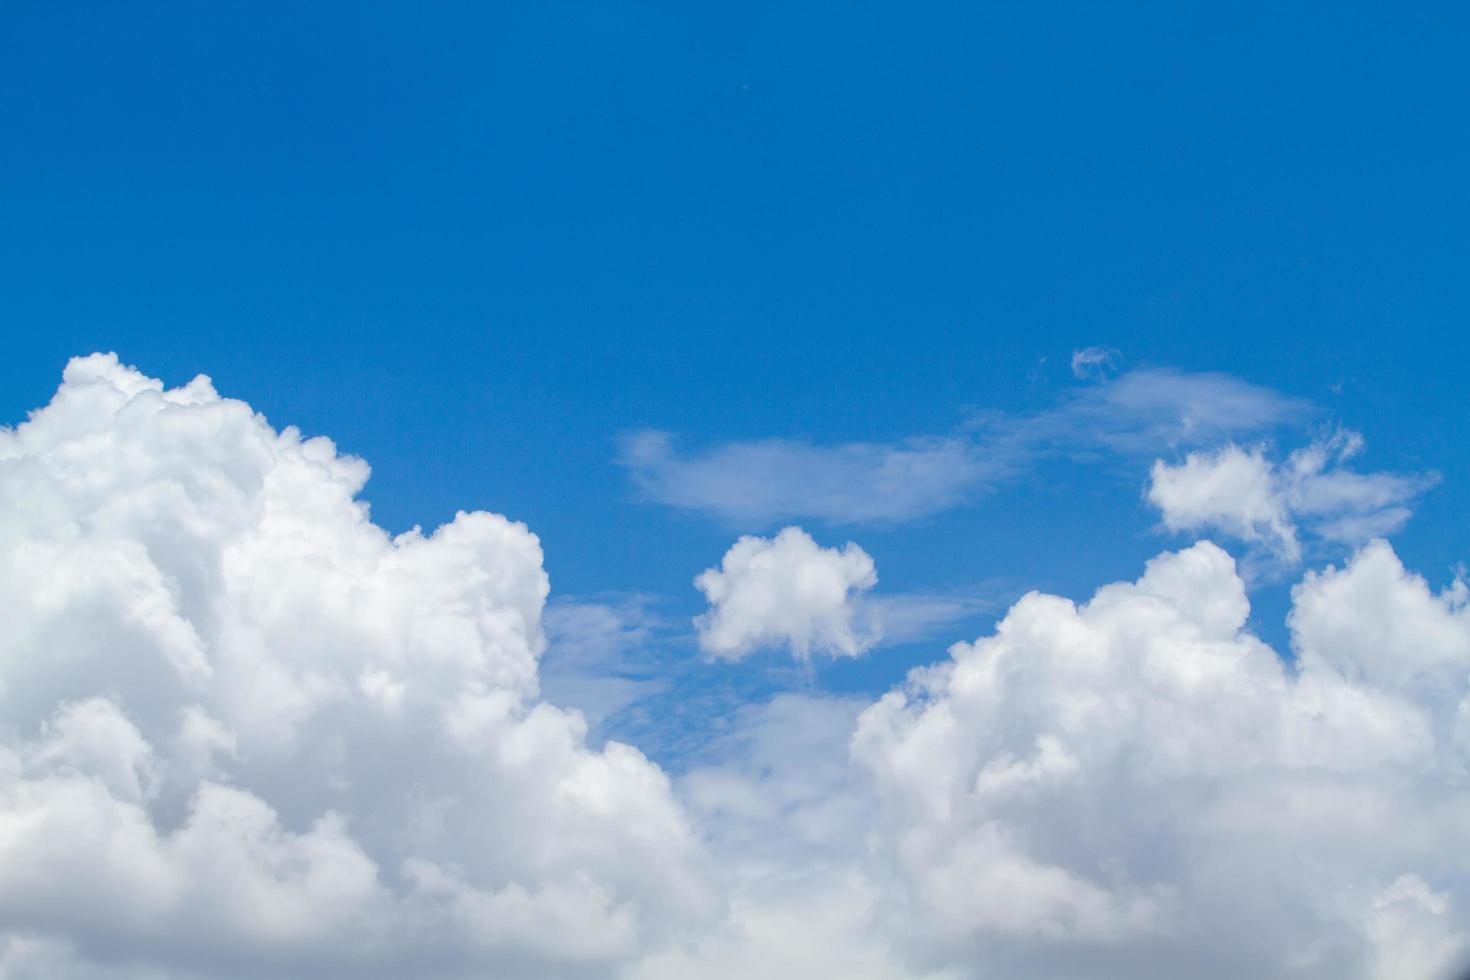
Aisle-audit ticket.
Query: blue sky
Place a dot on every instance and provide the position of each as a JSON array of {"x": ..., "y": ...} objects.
[
  {"x": 484, "y": 246},
  {"x": 985, "y": 298}
]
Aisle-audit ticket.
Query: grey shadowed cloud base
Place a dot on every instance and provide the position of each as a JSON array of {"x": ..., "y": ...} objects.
[{"x": 250, "y": 734}]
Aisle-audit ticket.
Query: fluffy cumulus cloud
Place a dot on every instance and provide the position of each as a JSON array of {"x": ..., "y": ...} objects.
[
  {"x": 248, "y": 732},
  {"x": 1138, "y": 787},
  {"x": 1131, "y": 788},
  {"x": 1243, "y": 493},
  {"x": 786, "y": 591}
]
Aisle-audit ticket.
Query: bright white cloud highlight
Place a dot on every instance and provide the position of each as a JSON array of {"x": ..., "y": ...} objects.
[
  {"x": 247, "y": 731},
  {"x": 1138, "y": 788},
  {"x": 603, "y": 656},
  {"x": 1242, "y": 493},
  {"x": 786, "y": 591},
  {"x": 1232, "y": 489}
]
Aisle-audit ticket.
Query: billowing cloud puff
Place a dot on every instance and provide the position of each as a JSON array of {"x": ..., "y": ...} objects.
[
  {"x": 1231, "y": 489},
  {"x": 1139, "y": 788},
  {"x": 1243, "y": 493},
  {"x": 1377, "y": 624},
  {"x": 779, "y": 479},
  {"x": 248, "y": 732},
  {"x": 786, "y": 591}
]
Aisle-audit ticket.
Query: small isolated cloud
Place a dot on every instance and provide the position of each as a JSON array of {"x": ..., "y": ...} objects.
[
  {"x": 786, "y": 591},
  {"x": 1242, "y": 493},
  {"x": 1094, "y": 362},
  {"x": 1233, "y": 490},
  {"x": 1130, "y": 786},
  {"x": 1149, "y": 410}
]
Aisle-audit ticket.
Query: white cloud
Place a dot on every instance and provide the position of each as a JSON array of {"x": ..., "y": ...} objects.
[
  {"x": 247, "y": 730},
  {"x": 1241, "y": 492},
  {"x": 628, "y": 669},
  {"x": 763, "y": 482},
  {"x": 1144, "y": 410},
  {"x": 778, "y": 479},
  {"x": 1094, "y": 362},
  {"x": 1231, "y": 489},
  {"x": 1137, "y": 788},
  {"x": 786, "y": 591},
  {"x": 909, "y": 617},
  {"x": 247, "y": 733},
  {"x": 821, "y": 923},
  {"x": 1376, "y": 623}
]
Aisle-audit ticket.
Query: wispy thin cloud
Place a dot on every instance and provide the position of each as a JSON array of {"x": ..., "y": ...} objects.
[
  {"x": 604, "y": 653},
  {"x": 1283, "y": 509},
  {"x": 1149, "y": 410},
  {"x": 757, "y": 484},
  {"x": 1094, "y": 362},
  {"x": 772, "y": 480},
  {"x": 914, "y": 617},
  {"x": 789, "y": 592}
]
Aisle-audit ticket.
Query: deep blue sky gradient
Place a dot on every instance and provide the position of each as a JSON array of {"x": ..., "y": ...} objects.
[{"x": 474, "y": 243}]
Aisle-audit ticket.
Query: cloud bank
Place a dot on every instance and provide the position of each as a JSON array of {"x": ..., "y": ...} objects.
[
  {"x": 248, "y": 733},
  {"x": 1138, "y": 787}
]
